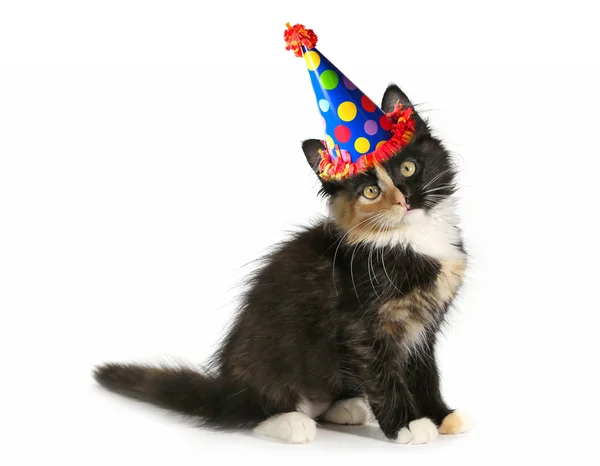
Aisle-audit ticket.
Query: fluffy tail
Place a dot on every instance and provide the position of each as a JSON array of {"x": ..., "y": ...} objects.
[{"x": 216, "y": 402}]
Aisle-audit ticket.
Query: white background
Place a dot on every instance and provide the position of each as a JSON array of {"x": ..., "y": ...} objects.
[{"x": 148, "y": 150}]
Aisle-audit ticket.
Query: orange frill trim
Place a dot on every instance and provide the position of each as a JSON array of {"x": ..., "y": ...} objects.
[{"x": 403, "y": 130}]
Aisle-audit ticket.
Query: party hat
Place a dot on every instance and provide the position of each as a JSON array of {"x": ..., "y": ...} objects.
[{"x": 358, "y": 133}]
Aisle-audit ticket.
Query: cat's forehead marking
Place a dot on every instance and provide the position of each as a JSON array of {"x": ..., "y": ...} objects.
[{"x": 386, "y": 181}]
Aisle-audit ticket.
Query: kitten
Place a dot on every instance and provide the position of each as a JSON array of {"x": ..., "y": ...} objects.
[{"x": 342, "y": 317}]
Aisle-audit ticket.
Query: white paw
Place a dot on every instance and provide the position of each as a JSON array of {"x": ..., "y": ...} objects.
[
  {"x": 418, "y": 431},
  {"x": 455, "y": 423},
  {"x": 353, "y": 411},
  {"x": 289, "y": 427}
]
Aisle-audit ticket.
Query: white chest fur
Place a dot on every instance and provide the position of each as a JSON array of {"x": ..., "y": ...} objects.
[{"x": 434, "y": 233}]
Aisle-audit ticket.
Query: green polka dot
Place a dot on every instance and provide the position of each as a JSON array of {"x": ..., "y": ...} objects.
[{"x": 329, "y": 79}]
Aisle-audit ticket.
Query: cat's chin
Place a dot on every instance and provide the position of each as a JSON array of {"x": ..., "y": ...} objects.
[
  {"x": 406, "y": 217},
  {"x": 413, "y": 215}
]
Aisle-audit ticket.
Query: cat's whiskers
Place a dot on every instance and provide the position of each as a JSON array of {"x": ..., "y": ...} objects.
[
  {"x": 369, "y": 269},
  {"x": 386, "y": 272},
  {"x": 348, "y": 232},
  {"x": 340, "y": 241},
  {"x": 380, "y": 225},
  {"x": 359, "y": 243},
  {"x": 431, "y": 200},
  {"x": 439, "y": 188},
  {"x": 383, "y": 224},
  {"x": 435, "y": 178}
]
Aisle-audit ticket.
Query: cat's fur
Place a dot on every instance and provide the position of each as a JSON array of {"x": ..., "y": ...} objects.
[{"x": 344, "y": 313}]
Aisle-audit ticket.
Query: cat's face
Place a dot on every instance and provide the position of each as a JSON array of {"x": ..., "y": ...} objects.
[{"x": 395, "y": 193}]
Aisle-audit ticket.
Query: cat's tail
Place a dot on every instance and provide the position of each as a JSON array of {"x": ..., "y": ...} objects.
[{"x": 212, "y": 399}]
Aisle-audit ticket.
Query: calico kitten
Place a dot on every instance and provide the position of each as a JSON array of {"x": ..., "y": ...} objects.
[{"x": 343, "y": 315}]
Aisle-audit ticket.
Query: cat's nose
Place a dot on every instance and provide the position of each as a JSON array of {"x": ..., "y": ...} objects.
[{"x": 399, "y": 199}]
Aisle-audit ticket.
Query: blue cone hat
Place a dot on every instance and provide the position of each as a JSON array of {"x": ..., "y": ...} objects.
[{"x": 358, "y": 134}]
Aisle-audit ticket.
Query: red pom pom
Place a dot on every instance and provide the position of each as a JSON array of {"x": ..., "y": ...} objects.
[{"x": 297, "y": 36}]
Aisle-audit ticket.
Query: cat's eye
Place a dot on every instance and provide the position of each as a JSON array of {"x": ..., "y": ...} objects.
[
  {"x": 408, "y": 168},
  {"x": 371, "y": 192}
]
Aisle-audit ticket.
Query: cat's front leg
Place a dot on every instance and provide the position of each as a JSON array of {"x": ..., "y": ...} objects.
[
  {"x": 400, "y": 424},
  {"x": 392, "y": 402},
  {"x": 424, "y": 382}
]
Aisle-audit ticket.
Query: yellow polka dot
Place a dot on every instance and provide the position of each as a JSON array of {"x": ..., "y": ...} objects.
[
  {"x": 330, "y": 143},
  {"x": 347, "y": 111},
  {"x": 362, "y": 145},
  {"x": 313, "y": 60},
  {"x": 379, "y": 144}
]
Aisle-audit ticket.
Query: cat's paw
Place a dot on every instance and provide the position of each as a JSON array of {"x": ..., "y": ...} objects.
[
  {"x": 289, "y": 427},
  {"x": 352, "y": 411},
  {"x": 419, "y": 431},
  {"x": 455, "y": 423}
]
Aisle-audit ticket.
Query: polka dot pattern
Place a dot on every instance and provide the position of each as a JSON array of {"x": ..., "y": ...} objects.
[
  {"x": 371, "y": 127},
  {"x": 368, "y": 104},
  {"x": 324, "y": 123},
  {"x": 313, "y": 60},
  {"x": 347, "y": 111},
  {"x": 342, "y": 133},
  {"x": 349, "y": 84},
  {"x": 330, "y": 143},
  {"x": 362, "y": 145},
  {"x": 385, "y": 123},
  {"x": 354, "y": 125},
  {"x": 330, "y": 80}
]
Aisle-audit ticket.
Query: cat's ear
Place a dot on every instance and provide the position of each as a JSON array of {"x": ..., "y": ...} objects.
[
  {"x": 311, "y": 148},
  {"x": 392, "y": 95}
]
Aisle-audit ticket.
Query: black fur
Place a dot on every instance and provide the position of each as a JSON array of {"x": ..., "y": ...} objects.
[{"x": 310, "y": 324}]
